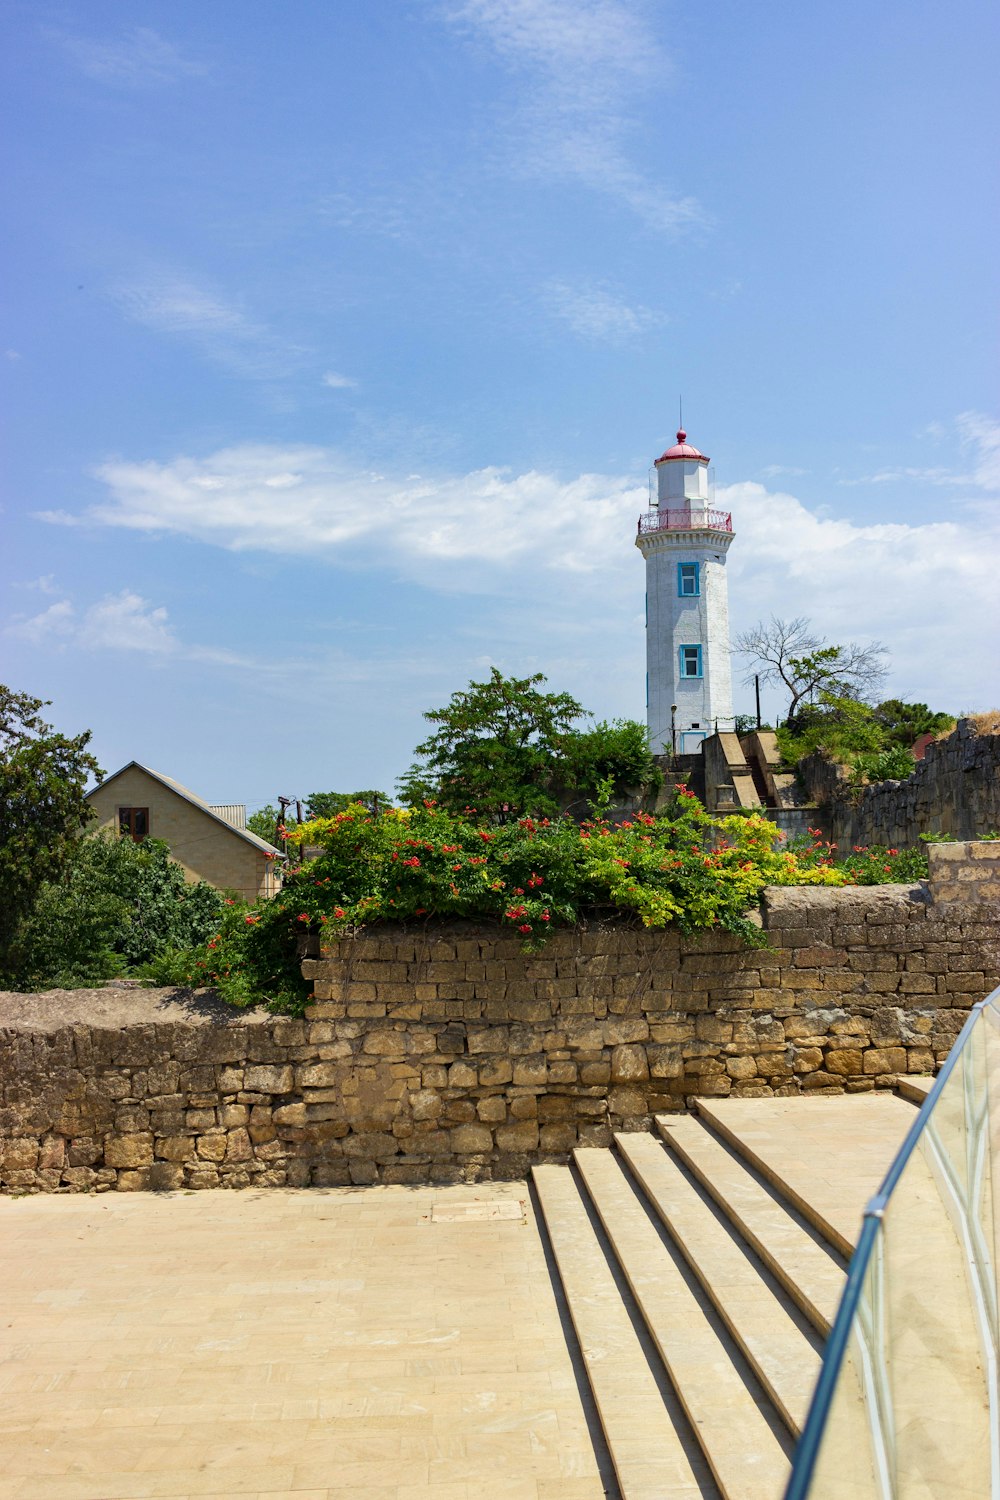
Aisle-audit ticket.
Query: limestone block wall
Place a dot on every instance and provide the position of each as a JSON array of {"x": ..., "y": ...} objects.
[
  {"x": 964, "y": 873},
  {"x": 453, "y": 1056},
  {"x": 954, "y": 790}
]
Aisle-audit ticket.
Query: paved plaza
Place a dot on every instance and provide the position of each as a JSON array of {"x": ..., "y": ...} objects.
[{"x": 382, "y": 1343}]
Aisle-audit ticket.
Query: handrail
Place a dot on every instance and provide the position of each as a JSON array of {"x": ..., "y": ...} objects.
[{"x": 869, "y": 1241}]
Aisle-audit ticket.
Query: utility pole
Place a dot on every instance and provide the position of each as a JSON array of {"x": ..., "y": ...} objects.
[
  {"x": 756, "y": 685},
  {"x": 673, "y": 731}
]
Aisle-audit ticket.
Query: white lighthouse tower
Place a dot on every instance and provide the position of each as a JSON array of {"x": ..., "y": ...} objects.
[{"x": 684, "y": 540}]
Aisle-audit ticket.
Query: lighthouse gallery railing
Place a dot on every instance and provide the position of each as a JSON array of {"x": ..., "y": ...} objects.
[{"x": 684, "y": 520}]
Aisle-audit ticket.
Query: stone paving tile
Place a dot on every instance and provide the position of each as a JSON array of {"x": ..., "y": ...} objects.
[{"x": 284, "y": 1346}]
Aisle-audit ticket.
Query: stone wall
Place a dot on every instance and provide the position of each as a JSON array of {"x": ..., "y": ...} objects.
[
  {"x": 954, "y": 790},
  {"x": 454, "y": 1056},
  {"x": 964, "y": 874}
]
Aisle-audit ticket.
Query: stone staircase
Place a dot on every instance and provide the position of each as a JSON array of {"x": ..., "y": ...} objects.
[{"x": 702, "y": 1273}]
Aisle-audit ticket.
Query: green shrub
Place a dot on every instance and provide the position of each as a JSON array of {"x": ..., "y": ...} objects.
[
  {"x": 894, "y": 764},
  {"x": 116, "y": 906},
  {"x": 843, "y": 727}
]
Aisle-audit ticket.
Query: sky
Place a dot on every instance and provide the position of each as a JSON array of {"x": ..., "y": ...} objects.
[{"x": 338, "y": 341}]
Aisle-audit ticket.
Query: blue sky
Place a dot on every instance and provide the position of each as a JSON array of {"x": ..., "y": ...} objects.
[{"x": 338, "y": 340}]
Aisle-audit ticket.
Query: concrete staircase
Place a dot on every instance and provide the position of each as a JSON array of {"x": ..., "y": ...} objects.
[{"x": 701, "y": 1280}]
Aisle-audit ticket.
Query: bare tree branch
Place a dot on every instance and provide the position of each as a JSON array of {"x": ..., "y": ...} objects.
[{"x": 790, "y": 652}]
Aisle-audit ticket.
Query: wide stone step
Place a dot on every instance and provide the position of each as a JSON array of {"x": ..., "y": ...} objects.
[
  {"x": 800, "y": 1151},
  {"x": 914, "y": 1087},
  {"x": 651, "y": 1457},
  {"x": 805, "y": 1269},
  {"x": 738, "y": 1436},
  {"x": 783, "y": 1356}
]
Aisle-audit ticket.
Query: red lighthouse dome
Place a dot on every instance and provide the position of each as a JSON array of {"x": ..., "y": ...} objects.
[{"x": 682, "y": 449}]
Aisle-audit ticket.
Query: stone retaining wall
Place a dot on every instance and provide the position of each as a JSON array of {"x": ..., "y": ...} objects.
[
  {"x": 454, "y": 1056},
  {"x": 954, "y": 790}
]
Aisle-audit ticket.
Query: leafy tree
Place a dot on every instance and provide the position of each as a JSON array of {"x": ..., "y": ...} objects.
[
  {"x": 843, "y": 727},
  {"x": 614, "y": 754},
  {"x": 116, "y": 905},
  {"x": 43, "y": 776},
  {"x": 902, "y": 723},
  {"x": 264, "y": 823},
  {"x": 791, "y": 653},
  {"x": 495, "y": 748},
  {"x": 329, "y": 804}
]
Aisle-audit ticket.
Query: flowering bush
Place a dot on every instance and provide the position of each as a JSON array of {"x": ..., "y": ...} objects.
[
  {"x": 530, "y": 876},
  {"x": 866, "y": 864}
]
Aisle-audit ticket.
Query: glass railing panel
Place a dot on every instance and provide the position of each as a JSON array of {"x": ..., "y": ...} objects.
[{"x": 907, "y": 1404}]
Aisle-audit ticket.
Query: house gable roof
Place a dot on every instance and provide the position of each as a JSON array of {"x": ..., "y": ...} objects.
[{"x": 195, "y": 801}]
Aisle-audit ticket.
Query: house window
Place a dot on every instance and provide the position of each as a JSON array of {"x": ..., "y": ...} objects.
[
  {"x": 690, "y": 661},
  {"x": 133, "y": 822},
  {"x": 688, "y": 580}
]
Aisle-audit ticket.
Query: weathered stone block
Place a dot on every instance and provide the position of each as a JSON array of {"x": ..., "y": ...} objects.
[
  {"x": 18, "y": 1155},
  {"x": 175, "y": 1147},
  {"x": 211, "y": 1147},
  {"x": 495, "y": 1070},
  {"x": 741, "y": 1067},
  {"x": 530, "y": 1071},
  {"x": 806, "y": 1059},
  {"x": 462, "y": 1075},
  {"x": 885, "y": 1060},
  {"x": 664, "y": 1061},
  {"x": 492, "y": 1110},
  {"x": 129, "y": 1150},
  {"x": 425, "y": 1104},
  {"x": 238, "y": 1146},
  {"x": 844, "y": 1061},
  {"x": 467, "y": 1140},
  {"x": 273, "y": 1078},
  {"x": 522, "y": 1136},
  {"x": 52, "y": 1154},
  {"x": 166, "y": 1177},
  {"x": 628, "y": 1063}
]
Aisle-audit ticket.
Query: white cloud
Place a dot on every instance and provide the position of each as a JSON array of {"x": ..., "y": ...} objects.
[
  {"x": 175, "y": 304},
  {"x": 338, "y": 382},
  {"x": 44, "y": 585},
  {"x": 551, "y": 563},
  {"x": 118, "y": 622},
  {"x": 596, "y": 314},
  {"x": 52, "y": 623},
  {"x": 127, "y": 622},
  {"x": 982, "y": 435},
  {"x": 586, "y": 64},
  {"x": 313, "y": 501},
  {"x": 138, "y": 58},
  {"x": 978, "y": 441},
  {"x": 779, "y": 471}
]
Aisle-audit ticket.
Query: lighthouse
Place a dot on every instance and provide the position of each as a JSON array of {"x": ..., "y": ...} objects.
[{"x": 684, "y": 540}]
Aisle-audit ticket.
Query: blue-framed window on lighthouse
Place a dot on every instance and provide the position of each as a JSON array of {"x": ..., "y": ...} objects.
[
  {"x": 690, "y": 661},
  {"x": 688, "y": 580}
]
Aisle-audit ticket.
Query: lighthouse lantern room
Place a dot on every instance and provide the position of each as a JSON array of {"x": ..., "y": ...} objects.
[{"x": 684, "y": 540}]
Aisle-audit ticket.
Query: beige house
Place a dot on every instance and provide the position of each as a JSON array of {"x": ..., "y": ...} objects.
[{"x": 208, "y": 842}]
